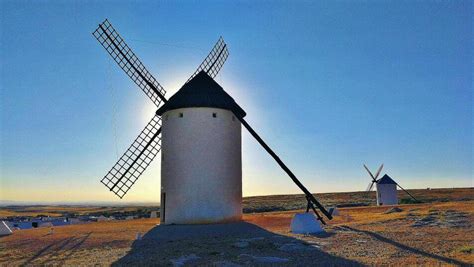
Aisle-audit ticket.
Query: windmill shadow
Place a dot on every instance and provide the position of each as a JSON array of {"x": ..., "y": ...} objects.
[
  {"x": 224, "y": 244},
  {"x": 50, "y": 249},
  {"x": 72, "y": 250},
  {"x": 61, "y": 251},
  {"x": 408, "y": 248}
]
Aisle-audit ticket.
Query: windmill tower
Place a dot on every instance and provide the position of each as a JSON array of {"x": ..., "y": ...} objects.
[
  {"x": 201, "y": 157},
  {"x": 199, "y": 131},
  {"x": 386, "y": 188},
  {"x": 386, "y": 191}
]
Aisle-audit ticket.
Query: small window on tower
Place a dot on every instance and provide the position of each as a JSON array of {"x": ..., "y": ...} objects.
[
  {"x": 233, "y": 118},
  {"x": 180, "y": 115},
  {"x": 214, "y": 115}
]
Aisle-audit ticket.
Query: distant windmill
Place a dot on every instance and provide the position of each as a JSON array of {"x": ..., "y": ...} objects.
[
  {"x": 386, "y": 188},
  {"x": 201, "y": 173}
]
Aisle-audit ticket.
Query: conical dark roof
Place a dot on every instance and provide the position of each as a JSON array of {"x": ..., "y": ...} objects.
[
  {"x": 386, "y": 180},
  {"x": 202, "y": 91}
]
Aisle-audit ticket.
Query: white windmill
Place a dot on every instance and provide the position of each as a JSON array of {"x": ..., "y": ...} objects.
[
  {"x": 386, "y": 188},
  {"x": 201, "y": 172}
]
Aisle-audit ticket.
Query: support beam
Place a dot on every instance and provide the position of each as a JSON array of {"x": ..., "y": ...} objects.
[
  {"x": 286, "y": 169},
  {"x": 408, "y": 193},
  {"x": 311, "y": 206}
]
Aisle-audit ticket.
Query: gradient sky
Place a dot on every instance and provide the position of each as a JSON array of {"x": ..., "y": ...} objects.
[{"x": 329, "y": 85}]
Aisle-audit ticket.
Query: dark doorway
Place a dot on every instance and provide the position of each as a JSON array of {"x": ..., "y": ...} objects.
[{"x": 162, "y": 208}]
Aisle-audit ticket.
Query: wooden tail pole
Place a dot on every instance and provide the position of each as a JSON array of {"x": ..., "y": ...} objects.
[
  {"x": 310, "y": 205},
  {"x": 408, "y": 193},
  {"x": 286, "y": 169}
]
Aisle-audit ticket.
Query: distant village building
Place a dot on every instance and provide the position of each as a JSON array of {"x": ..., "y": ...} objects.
[
  {"x": 45, "y": 224},
  {"x": 153, "y": 214},
  {"x": 59, "y": 222},
  {"x": 73, "y": 220},
  {"x": 102, "y": 218},
  {"x": 23, "y": 223},
  {"x": 5, "y": 229}
]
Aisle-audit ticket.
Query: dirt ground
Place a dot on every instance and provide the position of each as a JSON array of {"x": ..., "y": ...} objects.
[{"x": 416, "y": 234}]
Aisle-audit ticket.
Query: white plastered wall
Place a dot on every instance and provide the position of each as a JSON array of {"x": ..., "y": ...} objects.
[
  {"x": 387, "y": 194},
  {"x": 201, "y": 172}
]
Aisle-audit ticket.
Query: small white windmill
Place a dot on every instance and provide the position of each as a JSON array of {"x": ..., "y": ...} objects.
[{"x": 386, "y": 188}]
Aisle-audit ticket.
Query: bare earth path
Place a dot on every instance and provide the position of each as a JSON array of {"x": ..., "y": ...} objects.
[{"x": 419, "y": 234}]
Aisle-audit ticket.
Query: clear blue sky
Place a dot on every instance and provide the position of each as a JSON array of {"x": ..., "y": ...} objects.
[{"x": 329, "y": 85}]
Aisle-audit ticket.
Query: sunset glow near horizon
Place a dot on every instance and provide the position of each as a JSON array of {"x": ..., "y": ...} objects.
[{"x": 329, "y": 86}]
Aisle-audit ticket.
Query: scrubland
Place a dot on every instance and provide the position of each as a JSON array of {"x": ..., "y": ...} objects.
[{"x": 434, "y": 233}]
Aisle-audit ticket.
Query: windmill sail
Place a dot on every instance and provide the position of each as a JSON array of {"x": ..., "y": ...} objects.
[
  {"x": 370, "y": 173},
  {"x": 109, "y": 38},
  {"x": 146, "y": 146},
  {"x": 213, "y": 63},
  {"x": 374, "y": 178},
  {"x": 135, "y": 160},
  {"x": 369, "y": 186},
  {"x": 378, "y": 172}
]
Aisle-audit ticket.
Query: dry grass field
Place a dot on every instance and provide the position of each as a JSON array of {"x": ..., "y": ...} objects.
[
  {"x": 439, "y": 233},
  {"x": 293, "y": 202},
  {"x": 252, "y": 204}
]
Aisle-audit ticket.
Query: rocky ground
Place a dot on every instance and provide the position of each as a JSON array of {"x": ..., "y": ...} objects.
[{"x": 417, "y": 234}]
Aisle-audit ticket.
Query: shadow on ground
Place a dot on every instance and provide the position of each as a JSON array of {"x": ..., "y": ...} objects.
[
  {"x": 409, "y": 249},
  {"x": 57, "y": 253},
  {"x": 230, "y": 244}
]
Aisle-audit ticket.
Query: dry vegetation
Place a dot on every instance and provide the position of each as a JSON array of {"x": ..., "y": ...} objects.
[
  {"x": 438, "y": 233},
  {"x": 253, "y": 204},
  {"x": 344, "y": 199}
]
